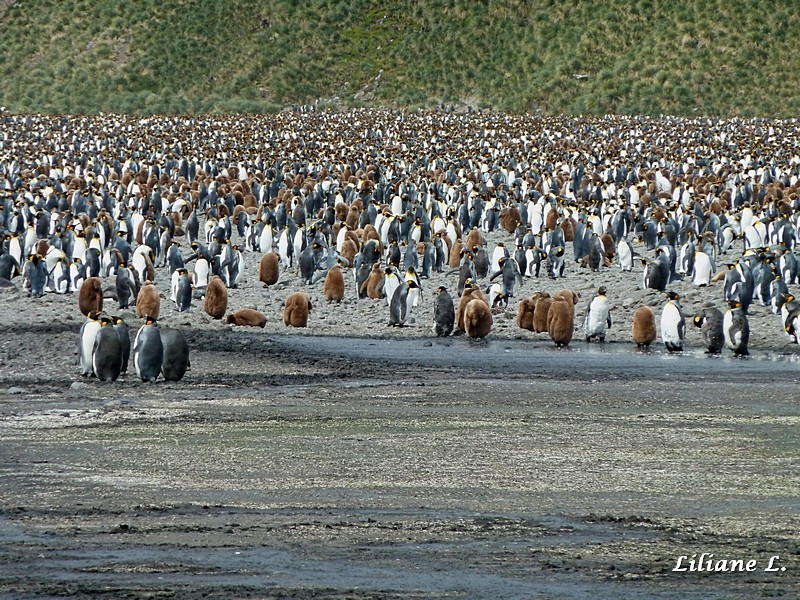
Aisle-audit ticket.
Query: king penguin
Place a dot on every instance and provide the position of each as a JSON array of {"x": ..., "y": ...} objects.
[
  {"x": 444, "y": 314},
  {"x": 107, "y": 351},
  {"x": 121, "y": 327},
  {"x": 598, "y": 316},
  {"x": 673, "y": 325},
  {"x": 148, "y": 351},
  {"x": 736, "y": 328},
  {"x": 183, "y": 291},
  {"x": 710, "y": 323},
  {"x": 176, "y": 354},
  {"x": 402, "y": 303},
  {"x": 88, "y": 334}
]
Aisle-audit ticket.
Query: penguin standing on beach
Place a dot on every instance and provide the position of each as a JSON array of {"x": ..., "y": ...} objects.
[
  {"x": 643, "y": 327},
  {"x": 36, "y": 275},
  {"x": 127, "y": 289},
  {"x": 121, "y": 329},
  {"x": 710, "y": 323},
  {"x": 148, "y": 351},
  {"x": 107, "y": 351},
  {"x": 183, "y": 291},
  {"x": 402, "y": 303},
  {"x": 673, "y": 324},
  {"x": 736, "y": 328},
  {"x": 175, "y": 360},
  {"x": 86, "y": 339},
  {"x": 444, "y": 314},
  {"x": 598, "y": 316}
]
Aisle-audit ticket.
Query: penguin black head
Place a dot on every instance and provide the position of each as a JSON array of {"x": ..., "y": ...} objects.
[
  {"x": 150, "y": 321},
  {"x": 698, "y": 320},
  {"x": 601, "y": 291},
  {"x": 673, "y": 295},
  {"x": 118, "y": 320},
  {"x": 441, "y": 289},
  {"x": 734, "y": 304}
]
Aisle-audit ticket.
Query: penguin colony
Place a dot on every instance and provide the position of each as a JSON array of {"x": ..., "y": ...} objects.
[{"x": 466, "y": 219}]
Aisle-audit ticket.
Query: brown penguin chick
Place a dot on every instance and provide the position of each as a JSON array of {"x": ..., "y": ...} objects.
[
  {"x": 296, "y": 309},
  {"x": 353, "y": 215},
  {"x": 477, "y": 318},
  {"x": 369, "y": 233},
  {"x": 178, "y": 223},
  {"x": 42, "y": 246},
  {"x": 333, "y": 289},
  {"x": 353, "y": 237},
  {"x": 375, "y": 282},
  {"x": 340, "y": 211},
  {"x": 561, "y": 321},
  {"x": 568, "y": 295},
  {"x": 568, "y": 227},
  {"x": 509, "y": 219},
  {"x": 90, "y": 297},
  {"x": 269, "y": 268},
  {"x": 454, "y": 260},
  {"x": 551, "y": 220},
  {"x": 541, "y": 308},
  {"x": 349, "y": 250},
  {"x": 471, "y": 292},
  {"x": 609, "y": 247},
  {"x": 216, "y": 302},
  {"x": 525, "y": 312},
  {"x": 643, "y": 330},
  {"x": 148, "y": 302},
  {"x": 474, "y": 238},
  {"x": 247, "y": 317}
]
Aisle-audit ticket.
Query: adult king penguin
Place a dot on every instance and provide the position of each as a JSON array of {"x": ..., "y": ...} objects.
[
  {"x": 710, "y": 323},
  {"x": 148, "y": 351},
  {"x": 673, "y": 325},
  {"x": 736, "y": 328},
  {"x": 107, "y": 351},
  {"x": 444, "y": 314},
  {"x": 598, "y": 316}
]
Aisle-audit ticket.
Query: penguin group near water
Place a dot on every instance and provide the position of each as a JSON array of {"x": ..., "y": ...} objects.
[{"x": 397, "y": 223}]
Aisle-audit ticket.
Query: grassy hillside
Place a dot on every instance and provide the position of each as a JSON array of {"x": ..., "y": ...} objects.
[{"x": 685, "y": 57}]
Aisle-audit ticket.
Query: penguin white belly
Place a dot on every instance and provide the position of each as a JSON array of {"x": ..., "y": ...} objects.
[
  {"x": 529, "y": 258},
  {"x": 390, "y": 285},
  {"x": 597, "y": 318},
  {"x": 412, "y": 300},
  {"x": 200, "y": 274},
  {"x": 670, "y": 321},
  {"x": 283, "y": 250},
  {"x": 451, "y": 234},
  {"x": 174, "y": 285},
  {"x": 340, "y": 238},
  {"x": 732, "y": 340},
  {"x": 625, "y": 253},
  {"x": 87, "y": 346},
  {"x": 702, "y": 269}
]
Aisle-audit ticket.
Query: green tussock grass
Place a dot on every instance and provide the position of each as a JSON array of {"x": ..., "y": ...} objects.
[{"x": 684, "y": 57}]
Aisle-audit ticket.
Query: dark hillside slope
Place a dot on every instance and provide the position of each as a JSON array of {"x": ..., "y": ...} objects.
[{"x": 711, "y": 57}]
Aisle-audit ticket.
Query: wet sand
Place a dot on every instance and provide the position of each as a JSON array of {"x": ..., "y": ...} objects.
[{"x": 417, "y": 468}]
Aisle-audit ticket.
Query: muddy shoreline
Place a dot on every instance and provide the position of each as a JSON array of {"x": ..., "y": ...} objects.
[{"x": 402, "y": 469}]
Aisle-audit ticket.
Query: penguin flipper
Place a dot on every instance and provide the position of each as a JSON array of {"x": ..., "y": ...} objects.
[{"x": 319, "y": 275}]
